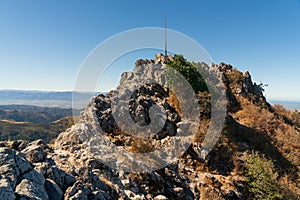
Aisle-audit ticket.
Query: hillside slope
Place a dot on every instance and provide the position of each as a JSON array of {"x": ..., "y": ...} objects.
[
  {"x": 33, "y": 114},
  {"x": 33, "y": 122}
]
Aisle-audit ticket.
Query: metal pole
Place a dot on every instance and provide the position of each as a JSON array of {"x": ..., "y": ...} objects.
[{"x": 166, "y": 35}]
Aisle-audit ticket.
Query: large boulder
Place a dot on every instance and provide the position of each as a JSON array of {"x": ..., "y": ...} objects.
[
  {"x": 28, "y": 189},
  {"x": 32, "y": 186}
]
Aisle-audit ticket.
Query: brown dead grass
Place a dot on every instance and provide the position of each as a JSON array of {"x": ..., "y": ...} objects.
[
  {"x": 141, "y": 145},
  {"x": 284, "y": 136},
  {"x": 174, "y": 102},
  {"x": 291, "y": 116}
]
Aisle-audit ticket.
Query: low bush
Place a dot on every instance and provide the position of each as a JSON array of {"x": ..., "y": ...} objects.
[{"x": 261, "y": 177}]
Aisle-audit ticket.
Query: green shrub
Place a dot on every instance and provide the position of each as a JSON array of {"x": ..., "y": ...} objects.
[
  {"x": 261, "y": 178},
  {"x": 189, "y": 71}
]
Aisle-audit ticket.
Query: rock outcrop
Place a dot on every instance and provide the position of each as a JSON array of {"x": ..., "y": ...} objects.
[
  {"x": 23, "y": 180},
  {"x": 68, "y": 169}
]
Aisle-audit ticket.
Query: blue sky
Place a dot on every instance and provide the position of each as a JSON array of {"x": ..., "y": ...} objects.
[{"x": 43, "y": 43}]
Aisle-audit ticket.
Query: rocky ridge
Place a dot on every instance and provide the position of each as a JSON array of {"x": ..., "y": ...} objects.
[{"x": 68, "y": 170}]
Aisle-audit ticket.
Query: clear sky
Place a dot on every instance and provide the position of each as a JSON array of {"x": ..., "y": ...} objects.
[{"x": 43, "y": 43}]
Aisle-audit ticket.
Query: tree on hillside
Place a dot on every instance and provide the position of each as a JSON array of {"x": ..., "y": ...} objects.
[{"x": 261, "y": 178}]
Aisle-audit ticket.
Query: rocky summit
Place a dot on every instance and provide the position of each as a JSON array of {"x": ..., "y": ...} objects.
[{"x": 70, "y": 168}]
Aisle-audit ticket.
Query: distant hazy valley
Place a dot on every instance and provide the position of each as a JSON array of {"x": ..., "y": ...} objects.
[
  {"x": 32, "y": 122},
  {"x": 44, "y": 99}
]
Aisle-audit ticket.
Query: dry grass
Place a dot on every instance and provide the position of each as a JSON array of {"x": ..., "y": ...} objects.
[
  {"x": 280, "y": 129},
  {"x": 288, "y": 188},
  {"x": 202, "y": 130},
  {"x": 291, "y": 116},
  {"x": 174, "y": 102},
  {"x": 259, "y": 119},
  {"x": 284, "y": 136},
  {"x": 141, "y": 145},
  {"x": 234, "y": 76}
]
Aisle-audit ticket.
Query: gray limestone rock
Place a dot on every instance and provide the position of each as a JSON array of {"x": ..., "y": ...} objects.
[
  {"x": 8, "y": 167},
  {"x": 34, "y": 176},
  {"x": 34, "y": 154},
  {"x": 60, "y": 177},
  {"x": 27, "y": 189},
  {"x": 22, "y": 164}
]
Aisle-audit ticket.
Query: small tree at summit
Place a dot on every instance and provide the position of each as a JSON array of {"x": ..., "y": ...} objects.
[{"x": 189, "y": 71}]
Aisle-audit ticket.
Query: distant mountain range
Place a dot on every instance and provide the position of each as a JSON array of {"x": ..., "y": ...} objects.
[
  {"x": 34, "y": 95},
  {"x": 64, "y": 99},
  {"x": 31, "y": 122},
  {"x": 30, "y": 115},
  {"x": 45, "y": 98},
  {"x": 34, "y": 114}
]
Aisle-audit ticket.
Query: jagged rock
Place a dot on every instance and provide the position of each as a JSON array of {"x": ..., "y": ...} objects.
[
  {"x": 43, "y": 167},
  {"x": 241, "y": 84},
  {"x": 34, "y": 176},
  {"x": 32, "y": 186},
  {"x": 27, "y": 189},
  {"x": 53, "y": 191},
  {"x": 12, "y": 165},
  {"x": 60, "y": 177},
  {"x": 160, "y": 58},
  {"x": 225, "y": 67},
  {"x": 89, "y": 177},
  {"x": 69, "y": 140},
  {"x": 79, "y": 195},
  {"x": 131, "y": 195},
  {"x": 22, "y": 164},
  {"x": 34, "y": 153},
  {"x": 8, "y": 167},
  {"x": 77, "y": 192},
  {"x": 143, "y": 62}
]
